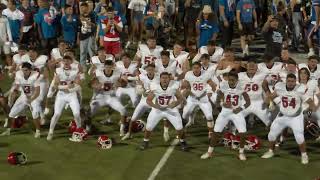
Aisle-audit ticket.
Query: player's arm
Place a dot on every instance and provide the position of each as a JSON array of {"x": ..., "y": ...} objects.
[
  {"x": 220, "y": 96},
  {"x": 312, "y": 106},
  {"x": 186, "y": 88},
  {"x": 137, "y": 58},
  {"x": 150, "y": 101},
  {"x": 13, "y": 94},
  {"x": 246, "y": 105},
  {"x": 179, "y": 100},
  {"x": 212, "y": 85},
  {"x": 35, "y": 94}
]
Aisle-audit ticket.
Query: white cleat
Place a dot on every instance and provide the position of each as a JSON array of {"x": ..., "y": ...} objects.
[
  {"x": 267, "y": 155},
  {"x": 50, "y": 137},
  {"x": 37, "y": 135},
  {"x": 5, "y": 125},
  {"x": 125, "y": 137},
  {"x": 46, "y": 111},
  {"x": 166, "y": 136},
  {"x": 242, "y": 157},
  {"x": 5, "y": 133},
  {"x": 206, "y": 155},
  {"x": 304, "y": 159}
]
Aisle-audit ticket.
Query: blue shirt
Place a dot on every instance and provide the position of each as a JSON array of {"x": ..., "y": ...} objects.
[
  {"x": 246, "y": 8},
  {"x": 207, "y": 29},
  {"x": 99, "y": 23},
  {"x": 69, "y": 28},
  {"x": 46, "y": 22},
  {"x": 229, "y": 9}
]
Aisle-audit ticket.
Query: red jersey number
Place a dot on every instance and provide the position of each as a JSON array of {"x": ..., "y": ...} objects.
[
  {"x": 234, "y": 100},
  {"x": 164, "y": 100},
  {"x": 251, "y": 87},
  {"x": 198, "y": 86},
  {"x": 286, "y": 102},
  {"x": 149, "y": 60}
]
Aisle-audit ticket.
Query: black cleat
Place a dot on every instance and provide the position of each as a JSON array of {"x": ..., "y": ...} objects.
[
  {"x": 144, "y": 145},
  {"x": 184, "y": 146}
]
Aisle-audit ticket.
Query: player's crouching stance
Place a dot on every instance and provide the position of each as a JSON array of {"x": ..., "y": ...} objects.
[
  {"x": 289, "y": 97},
  {"x": 67, "y": 81},
  {"x": 232, "y": 93},
  {"x": 167, "y": 98},
  {"x": 28, "y": 82}
]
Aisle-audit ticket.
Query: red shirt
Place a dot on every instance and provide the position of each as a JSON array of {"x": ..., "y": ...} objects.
[{"x": 112, "y": 34}]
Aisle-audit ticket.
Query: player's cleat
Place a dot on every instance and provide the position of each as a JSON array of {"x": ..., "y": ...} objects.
[
  {"x": 206, "y": 155},
  {"x": 144, "y": 145},
  {"x": 5, "y": 133},
  {"x": 242, "y": 157},
  {"x": 304, "y": 159},
  {"x": 166, "y": 136},
  {"x": 125, "y": 137},
  {"x": 37, "y": 134},
  {"x": 50, "y": 137},
  {"x": 268, "y": 155},
  {"x": 5, "y": 125},
  {"x": 184, "y": 146},
  {"x": 46, "y": 111}
]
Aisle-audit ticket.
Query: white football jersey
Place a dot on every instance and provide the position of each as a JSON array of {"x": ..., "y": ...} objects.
[
  {"x": 253, "y": 86},
  {"x": 290, "y": 102},
  {"x": 216, "y": 56},
  {"x": 181, "y": 58},
  {"x": 127, "y": 71},
  {"x": 56, "y": 54},
  {"x": 199, "y": 84},
  {"x": 272, "y": 74},
  {"x": 65, "y": 76},
  {"x": 313, "y": 75},
  {"x": 17, "y": 59},
  {"x": 172, "y": 68},
  {"x": 27, "y": 86},
  {"x": 38, "y": 64},
  {"x": 148, "y": 56},
  {"x": 233, "y": 96},
  {"x": 311, "y": 90},
  {"x": 107, "y": 81},
  {"x": 164, "y": 96},
  {"x": 147, "y": 81},
  {"x": 283, "y": 75}
]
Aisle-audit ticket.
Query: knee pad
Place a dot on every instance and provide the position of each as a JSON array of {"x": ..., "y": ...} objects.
[
  {"x": 272, "y": 137},
  {"x": 299, "y": 137}
]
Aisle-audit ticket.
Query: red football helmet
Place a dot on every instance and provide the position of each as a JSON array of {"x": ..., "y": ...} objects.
[
  {"x": 18, "y": 121},
  {"x": 235, "y": 142},
  {"x": 252, "y": 143},
  {"x": 17, "y": 158},
  {"x": 79, "y": 135},
  {"x": 138, "y": 126},
  {"x": 227, "y": 139},
  {"x": 104, "y": 142},
  {"x": 72, "y": 126}
]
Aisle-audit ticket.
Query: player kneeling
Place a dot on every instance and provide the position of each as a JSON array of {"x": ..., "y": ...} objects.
[
  {"x": 28, "y": 82},
  {"x": 167, "y": 98},
  {"x": 289, "y": 97},
  {"x": 231, "y": 92}
]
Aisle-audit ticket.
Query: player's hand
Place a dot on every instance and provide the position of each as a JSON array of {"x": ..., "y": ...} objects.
[
  {"x": 237, "y": 110},
  {"x": 226, "y": 23},
  {"x": 227, "y": 105},
  {"x": 240, "y": 27}
]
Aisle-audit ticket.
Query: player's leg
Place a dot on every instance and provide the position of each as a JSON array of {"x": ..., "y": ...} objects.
[
  {"x": 297, "y": 126},
  {"x": 187, "y": 111},
  {"x": 240, "y": 124},
  {"x": 221, "y": 121},
  {"x": 115, "y": 104},
  {"x": 175, "y": 119},
  {"x": 17, "y": 108},
  {"x": 35, "y": 108},
  {"x": 206, "y": 108},
  {"x": 58, "y": 107},
  {"x": 139, "y": 110},
  {"x": 49, "y": 98},
  {"x": 153, "y": 119},
  {"x": 131, "y": 92},
  {"x": 75, "y": 108},
  {"x": 276, "y": 128}
]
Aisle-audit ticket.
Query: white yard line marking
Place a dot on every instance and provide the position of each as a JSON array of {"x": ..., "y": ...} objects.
[{"x": 163, "y": 160}]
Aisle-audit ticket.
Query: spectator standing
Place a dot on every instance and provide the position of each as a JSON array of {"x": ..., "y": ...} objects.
[
  {"x": 101, "y": 16},
  {"x": 136, "y": 8},
  {"x": 192, "y": 10},
  {"x": 297, "y": 7},
  {"x": 28, "y": 29},
  {"x": 164, "y": 28},
  {"x": 227, "y": 9},
  {"x": 69, "y": 23},
  {"x": 86, "y": 33},
  {"x": 15, "y": 17},
  {"x": 5, "y": 35},
  {"x": 247, "y": 23},
  {"x": 207, "y": 26}
]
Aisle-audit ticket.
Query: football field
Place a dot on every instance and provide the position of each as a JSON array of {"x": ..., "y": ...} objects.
[{"x": 61, "y": 159}]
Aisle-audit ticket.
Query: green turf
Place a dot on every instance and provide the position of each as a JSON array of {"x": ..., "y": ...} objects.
[{"x": 61, "y": 159}]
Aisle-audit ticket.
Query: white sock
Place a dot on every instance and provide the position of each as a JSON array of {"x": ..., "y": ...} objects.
[
  {"x": 304, "y": 154},
  {"x": 146, "y": 140},
  {"x": 165, "y": 129},
  {"x": 241, "y": 150},
  {"x": 50, "y": 131},
  {"x": 9, "y": 129},
  {"x": 210, "y": 149},
  {"x": 37, "y": 130},
  {"x": 121, "y": 127},
  {"x": 310, "y": 49}
]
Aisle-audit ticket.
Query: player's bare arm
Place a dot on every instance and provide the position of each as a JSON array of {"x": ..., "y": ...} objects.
[
  {"x": 150, "y": 101},
  {"x": 179, "y": 100}
]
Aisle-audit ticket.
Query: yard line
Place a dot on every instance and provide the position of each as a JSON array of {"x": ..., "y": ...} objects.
[{"x": 163, "y": 160}]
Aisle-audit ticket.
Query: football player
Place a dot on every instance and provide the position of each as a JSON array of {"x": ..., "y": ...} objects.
[
  {"x": 97, "y": 62},
  {"x": 105, "y": 82},
  {"x": 171, "y": 66},
  {"x": 196, "y": 82},
  {"x": 148, "y": 53},
  {"x": 27, "y": 82},
  {"x": 215, "y": 52},
  {"x": 255, "y": 86},
  {"x": 182, "y": 57},
  {"x": 289, "y": 97},
  {"x": 143, "y": 88},
  {"x": 167, "y": 97},
  {"x": 67, "y": 82},
  {"x": 312, "y": 66},
  {"x": 231, "y": 93}
]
